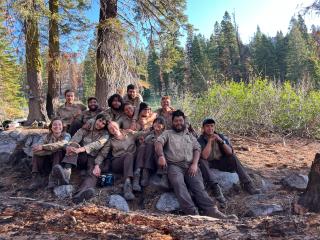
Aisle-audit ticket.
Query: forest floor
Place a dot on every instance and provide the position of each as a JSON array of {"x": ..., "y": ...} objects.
[{"x": 39, "y": 215}]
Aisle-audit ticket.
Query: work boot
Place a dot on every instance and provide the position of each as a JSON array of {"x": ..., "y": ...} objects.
[
  {"x": 145, "y": 177},
  {"x": 217, "y": 193},
  {"x": 249, "y": 188},
  {"x": 127, "y": 190},
  {"x": 36, "y": 182},
  {"x": 83, "y": 195},
  {"x": 136, "y": 179},
  {"x": 61, "y": 175},
  {"x": 217, "y": 214},
  {"x": 51, "y": 183}
]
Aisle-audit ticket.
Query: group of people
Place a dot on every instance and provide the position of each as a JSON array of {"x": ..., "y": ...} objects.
[{"x": 128, "y": 138}]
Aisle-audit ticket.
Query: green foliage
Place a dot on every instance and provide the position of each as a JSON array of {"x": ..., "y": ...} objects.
[
  {"x": 257, "y": 108},
  {"x": 89, "y": 72}
]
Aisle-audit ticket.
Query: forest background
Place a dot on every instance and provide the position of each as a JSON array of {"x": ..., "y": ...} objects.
[{"x": 270, "y": 84}]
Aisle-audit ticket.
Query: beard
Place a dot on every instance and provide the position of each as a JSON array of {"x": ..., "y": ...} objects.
[
  {"x": 93, "y": 108},
  {"x": 179, "y": 129}
]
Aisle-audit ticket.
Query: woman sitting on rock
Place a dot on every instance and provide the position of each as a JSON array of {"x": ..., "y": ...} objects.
[
  {"x": 122, "y": 144},
  {"x": 82, "y": 151},
  {"x": 48, "y": 153}
]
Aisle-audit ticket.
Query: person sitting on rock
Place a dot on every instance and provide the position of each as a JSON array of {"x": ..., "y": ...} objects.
[
  {"x": 179, "y": 151},
  {"x": 146, "y": 116},
  {"x": 115, "y": 110},
  {"x": 134, "y": 98},
  {"x": 47, "y": 153},
  {"x": 82, "y": 151},
  {"x": 146, "y": 158},
  {"x": 126, "y": 120},
  {"x": 70, "y": 110},
  {"x": 217, "y": 153},
  {"x": 122, "y": 145},
  {"x": 91, "y": 113}
]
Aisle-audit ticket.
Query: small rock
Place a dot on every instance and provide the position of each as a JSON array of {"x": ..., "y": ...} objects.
[
  {"x": 168, "y": 202},
  {"x": 63, "y": 191},
  {"x": 7, "y": 147},
  {"x": 118, "y": 202},
  {"x": 296, "y": 181},
  {"x": 226, "y": 180},
  {"x": 263, "y": 210}
]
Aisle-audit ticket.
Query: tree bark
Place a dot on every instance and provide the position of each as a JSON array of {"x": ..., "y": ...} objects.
[
  {"x": 53, "y": 62},
  {"x": 37, "y": 110},
  {"x": 310, "y": 199}
]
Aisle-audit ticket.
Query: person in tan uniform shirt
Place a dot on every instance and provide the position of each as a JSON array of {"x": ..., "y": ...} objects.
[
  {"x": 69, "y": 111},
  {"x": 81, "y": 151},
  {"x": 179, "y": 151},
  {"x": 115, "y": 110},
  {"x": 146, "y": 116},
  {"x": 126, "y": 120},
  {"x": 47, "y": 153},
  {"x": 122, "y": 145},
  {"x": 134, "y": 98}
]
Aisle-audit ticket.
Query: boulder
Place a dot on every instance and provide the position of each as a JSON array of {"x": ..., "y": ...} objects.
[
  {"x": 296, "y": 181},
  {"x": 263, "y": 210},
  {"x": 7, "y": 146},
  {"x": 118, "y": 202},
  {"x": 63, "y": 191},
  {"x": 168, "y": 202},
  {"x": 30, "y": 142},
  {"x": 226, "y": 180}
]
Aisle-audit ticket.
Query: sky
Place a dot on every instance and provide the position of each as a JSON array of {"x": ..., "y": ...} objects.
[{"x": 270, "y": 15}]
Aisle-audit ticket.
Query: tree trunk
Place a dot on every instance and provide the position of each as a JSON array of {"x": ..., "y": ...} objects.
[
  {"x": 311, "y": 197},
  {"x": 37, "y": 109},
  {"x": 53, "y": 62}
]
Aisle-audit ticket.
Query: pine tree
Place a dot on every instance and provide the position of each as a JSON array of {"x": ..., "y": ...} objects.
[{"x": 154, "y": 70}]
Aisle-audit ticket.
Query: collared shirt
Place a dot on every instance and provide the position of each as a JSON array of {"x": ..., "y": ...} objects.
[
  {"x": 87, "y": 115},
  {"x": 52, "y": 144},
  {"x": 134, "y": 102},
  {"x": 150, "y": 137},
  {"x": 112, "y": 114},
  {"x": 216, "y": 152},
  {"x": 118, "y": 147},
  {"x": 92, "y": 140},
  {"x": 178, "y": 147},
  {"x": 167, "y": 116},
  {"x": 125, "y": 122},
  {"x": 68, "y": 112}
]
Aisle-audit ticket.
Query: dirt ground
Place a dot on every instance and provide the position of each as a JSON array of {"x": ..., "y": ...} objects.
[{"x": 39, "y": 215}]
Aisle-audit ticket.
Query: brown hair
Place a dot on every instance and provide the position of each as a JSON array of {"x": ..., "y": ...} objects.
[
  {"x": 55, "y": 119},
  {"x": 165, "y": 98}
]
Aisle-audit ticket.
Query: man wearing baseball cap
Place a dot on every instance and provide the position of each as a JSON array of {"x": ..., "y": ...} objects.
[{"x": 217, "y": 153}]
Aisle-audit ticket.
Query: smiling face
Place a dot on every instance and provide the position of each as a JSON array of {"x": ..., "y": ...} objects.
[
  {"x": 70, "y": 97},
  {"x": 128, "y": 110},
  {"x": 57, "y": 127},
  {"x": 165, "y": 103},
  {"x": 158, "y": 127},
  {"x": 100, "y": 123},
  {"x": 116, "y": 104},
  {"x": 208, "y": 129},
  {"x": 146, "y": 112},
  {"x": 132, "y": 93},
  {"x": 113, "y": 128},
  {"x": 93, "y": 105}
]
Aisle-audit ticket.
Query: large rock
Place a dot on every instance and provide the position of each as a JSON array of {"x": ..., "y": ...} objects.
[
  {"x": 7, "y": 146},
  {"x": 118, "y": 202},
  {"x": 30, "y": 142},
  {"x": 168, "y": 202},
  {"x": 263, "y": 210},
  {"x": 296, "y": 181},
  {"x": 63, "y": 191},
  {"x": 226, "y": 180}
]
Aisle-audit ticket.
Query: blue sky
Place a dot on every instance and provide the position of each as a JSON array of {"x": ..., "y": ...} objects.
[{"x": 270, "y": 15}]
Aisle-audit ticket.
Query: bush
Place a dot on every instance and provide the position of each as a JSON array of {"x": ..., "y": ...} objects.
[{"x": 257, "y": 108}]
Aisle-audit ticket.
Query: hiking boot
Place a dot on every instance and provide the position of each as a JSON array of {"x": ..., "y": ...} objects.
[
  {"x": 217, "y": 214},
  {"x": 83, "y": 195},
  {"x": 61, "y": 175},
  {"x": 36, "y": 182},
  {"x": 51, "y": 183},
  {"x": 249, "y": 188},
  {"x": 136, "y": 179},
  {"x": 217, "y": 193},
  {"x": 127, "y": 191},
  {"x": 145, "y": 178}
]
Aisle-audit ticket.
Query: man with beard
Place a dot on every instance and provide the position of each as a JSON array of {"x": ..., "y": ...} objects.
[
  {"x": 69, "y": 111},
  {"x": 115, "y": 110},
  {"x": 179, "y": 151},
  {"x": 92, "y": 112},
  {"x": 217, "y": 153},
  {"x": 134, "y": 98}
]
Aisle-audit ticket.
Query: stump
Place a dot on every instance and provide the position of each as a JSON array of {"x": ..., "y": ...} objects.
[{"x": 310, "y": 199}]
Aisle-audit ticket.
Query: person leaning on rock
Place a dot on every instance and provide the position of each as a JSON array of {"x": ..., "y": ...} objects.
[
  {"x": 92, "y": 112},
  {"x": 70, "y": 110},
  {"x": 179, "y": 151},
  {"x": 81, "y": 152},
  {"x": 217, "y": 153},
  {"x": 48, "y": 153}
]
